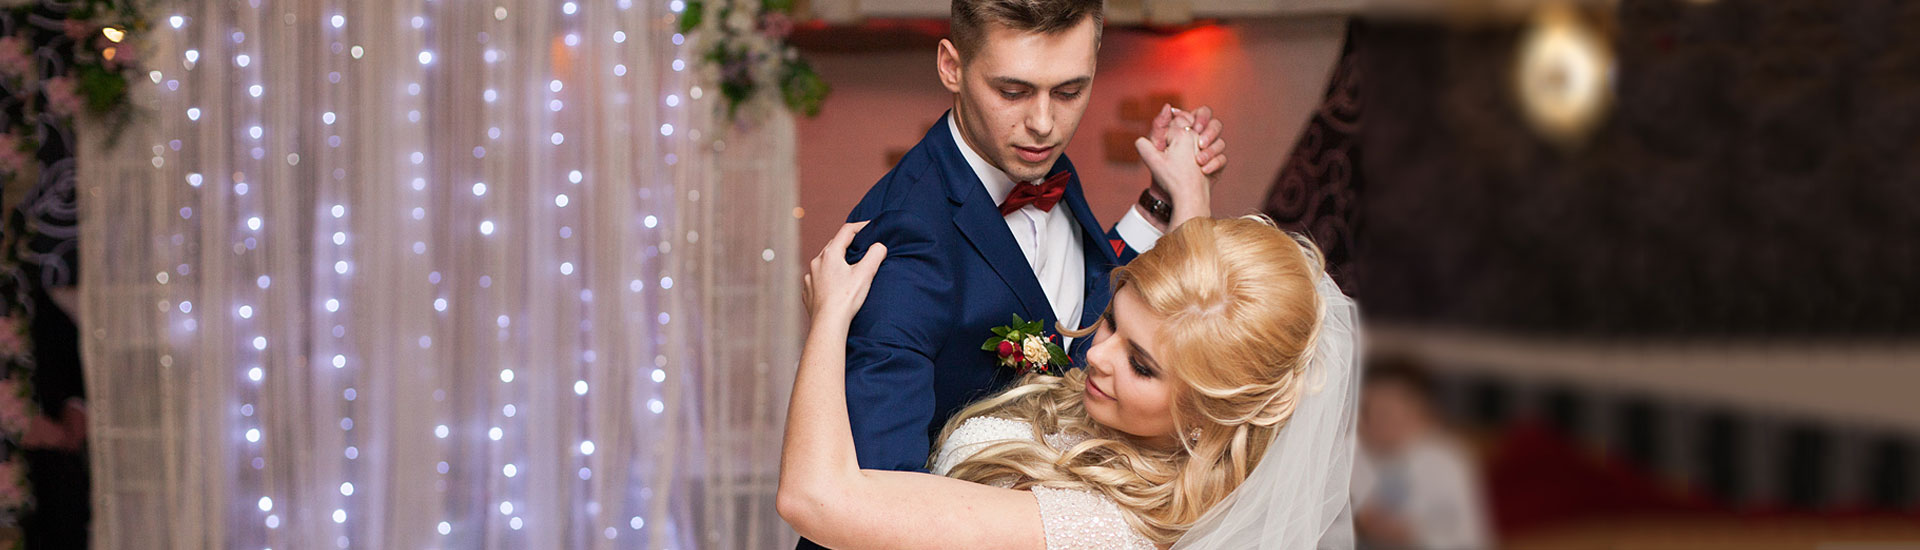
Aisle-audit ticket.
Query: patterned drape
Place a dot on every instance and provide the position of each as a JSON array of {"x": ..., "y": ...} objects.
[{"x": 1318, "y": 190}]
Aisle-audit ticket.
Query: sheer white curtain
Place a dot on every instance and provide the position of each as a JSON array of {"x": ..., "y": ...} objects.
[{"x": 436, "y": 274}]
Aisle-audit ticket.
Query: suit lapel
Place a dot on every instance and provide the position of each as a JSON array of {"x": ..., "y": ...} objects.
[
  {"x": 979, "y": 219},
  {"x": 1099, "y": 262},
  {"x": 988, "y": 233}
]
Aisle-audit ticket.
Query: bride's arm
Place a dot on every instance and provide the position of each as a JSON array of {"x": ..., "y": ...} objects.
[{"x": 823, "y": 492}]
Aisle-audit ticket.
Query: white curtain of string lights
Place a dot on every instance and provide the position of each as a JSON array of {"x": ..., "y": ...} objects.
[{"x": 435, "y": 274}]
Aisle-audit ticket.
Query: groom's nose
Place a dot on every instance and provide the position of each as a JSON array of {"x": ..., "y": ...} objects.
[{"x": 1040, "y": 118}]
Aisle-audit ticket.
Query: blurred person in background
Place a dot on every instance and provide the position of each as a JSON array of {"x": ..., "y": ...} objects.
[{"x": 1415, "y": 485}]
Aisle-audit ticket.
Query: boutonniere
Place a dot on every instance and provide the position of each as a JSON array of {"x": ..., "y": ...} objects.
[{"x": 1025, "y": 347}]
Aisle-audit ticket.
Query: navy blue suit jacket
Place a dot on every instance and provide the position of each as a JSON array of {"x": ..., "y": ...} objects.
[{"x": 953, "y": 271}]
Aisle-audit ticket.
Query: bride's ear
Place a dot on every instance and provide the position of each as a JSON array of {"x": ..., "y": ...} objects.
[{"x": 948, "y": 61}]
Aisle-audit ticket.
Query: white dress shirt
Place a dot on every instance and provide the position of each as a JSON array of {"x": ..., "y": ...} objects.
[{"x": 1052, "y": 240}]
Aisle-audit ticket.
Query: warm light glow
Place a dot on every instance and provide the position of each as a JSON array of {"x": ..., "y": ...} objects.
[
  {"x": 1564, "y": 76},
  {"x": 113, "y": 35},
  {"x": 1194, "y": 56}
]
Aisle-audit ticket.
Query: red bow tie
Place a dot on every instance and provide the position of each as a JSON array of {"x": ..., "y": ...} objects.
[{"x": 1042, "y": 196}]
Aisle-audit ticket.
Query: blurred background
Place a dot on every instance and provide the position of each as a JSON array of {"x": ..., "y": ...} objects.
[{"x": 1637, "y": 274}]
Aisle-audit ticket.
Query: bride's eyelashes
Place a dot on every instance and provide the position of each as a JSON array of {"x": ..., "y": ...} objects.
[
  {"x": 1140, "y": 368},
  {"x": 1133, "y": 350}
]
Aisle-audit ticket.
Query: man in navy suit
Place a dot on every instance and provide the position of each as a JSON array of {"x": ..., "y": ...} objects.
[{"x": 985, "y": 219}]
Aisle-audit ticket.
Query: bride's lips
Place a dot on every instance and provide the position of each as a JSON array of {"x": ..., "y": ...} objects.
[
  {"x": 1033, "y": 154},
  {"x": 1095, "y": 391}
]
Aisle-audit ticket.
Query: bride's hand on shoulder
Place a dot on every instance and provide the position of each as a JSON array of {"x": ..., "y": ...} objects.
[{"x": 834, "y": 290}]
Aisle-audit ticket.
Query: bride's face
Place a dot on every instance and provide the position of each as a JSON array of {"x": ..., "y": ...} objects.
[{"x": 1127, "y": 386}]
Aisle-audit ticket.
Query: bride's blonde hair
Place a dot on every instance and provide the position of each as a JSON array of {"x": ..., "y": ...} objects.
[{"x": 1239, "y": 315}]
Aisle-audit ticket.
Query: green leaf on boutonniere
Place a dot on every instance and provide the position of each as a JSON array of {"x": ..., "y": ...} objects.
[
  {"x": 1057, "y": 357},
  {"x": 993, "y": 344}
]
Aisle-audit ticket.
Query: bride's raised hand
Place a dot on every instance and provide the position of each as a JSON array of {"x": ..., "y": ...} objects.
[
  {"x": 834, "y": 290},
  {"x": 1177, "y": 171}
]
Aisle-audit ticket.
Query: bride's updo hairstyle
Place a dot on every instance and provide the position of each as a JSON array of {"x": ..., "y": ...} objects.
[{"x": 1239, "y": 314}]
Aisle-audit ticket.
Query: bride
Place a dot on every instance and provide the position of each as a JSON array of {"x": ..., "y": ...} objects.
[{"x": 1216, "y": 410}]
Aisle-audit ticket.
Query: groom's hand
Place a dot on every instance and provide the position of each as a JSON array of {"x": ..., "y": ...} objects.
[
  {"x": 1213, "y": 150},
  {"x": 1188, "y": 197}
]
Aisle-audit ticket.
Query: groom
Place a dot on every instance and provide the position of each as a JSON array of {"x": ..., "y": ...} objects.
[{"x": 985, "y": 219}]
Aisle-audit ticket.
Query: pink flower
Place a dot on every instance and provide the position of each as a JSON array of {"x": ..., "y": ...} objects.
[
  {"x": 15, "y": 413},
  {"x": 123, "y": 55},
  {"x": 15, "y": 57},
  {"x": 63, "y": 96},
  {"x": 12, "y": 159},
  {"x": 13, "y": 485},
  {"x": 76, "y": 29},
  {"x": 776, "y": 24}
]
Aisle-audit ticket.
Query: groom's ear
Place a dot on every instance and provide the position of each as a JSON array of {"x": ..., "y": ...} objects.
[{"x": 948, "y": 61}]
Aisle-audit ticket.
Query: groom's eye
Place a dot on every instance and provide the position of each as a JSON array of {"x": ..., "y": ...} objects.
[
  {"x": 1013, "y": 94},
  {"x": 1067, "y": 96}
]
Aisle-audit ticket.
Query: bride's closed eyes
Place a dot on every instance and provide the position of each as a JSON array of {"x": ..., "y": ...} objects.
[{"x": 1144, "y": 369}]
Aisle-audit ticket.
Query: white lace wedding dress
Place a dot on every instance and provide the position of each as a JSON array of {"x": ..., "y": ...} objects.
[
  {"x": 1073, "y": 519},
  {"x": 1296, "y": 499}
]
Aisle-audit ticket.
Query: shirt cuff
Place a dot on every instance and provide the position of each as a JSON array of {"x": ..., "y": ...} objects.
[{"x": 1139, "y": 234}]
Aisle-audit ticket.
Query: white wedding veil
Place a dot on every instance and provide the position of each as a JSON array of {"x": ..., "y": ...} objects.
[{"x": 1297, "y": 496}]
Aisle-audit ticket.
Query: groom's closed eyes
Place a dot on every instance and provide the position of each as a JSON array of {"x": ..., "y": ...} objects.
[{"x": 1014, "y": 89}]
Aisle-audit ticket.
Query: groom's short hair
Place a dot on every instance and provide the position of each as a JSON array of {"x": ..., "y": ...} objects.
[{"x": 970, "y": 18}]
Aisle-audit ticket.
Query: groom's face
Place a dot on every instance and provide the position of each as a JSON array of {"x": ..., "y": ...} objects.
[{"x": 1019, "y": 97}]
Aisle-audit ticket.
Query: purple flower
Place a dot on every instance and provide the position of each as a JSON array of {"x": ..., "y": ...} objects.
[{"x": 735, "y": 70}]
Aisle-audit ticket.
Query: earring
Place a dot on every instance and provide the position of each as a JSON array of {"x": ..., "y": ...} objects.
[{"x": 1193, "y": 436}]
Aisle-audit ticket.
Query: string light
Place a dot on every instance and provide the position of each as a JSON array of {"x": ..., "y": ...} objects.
[{"x": 264, "y": 141}]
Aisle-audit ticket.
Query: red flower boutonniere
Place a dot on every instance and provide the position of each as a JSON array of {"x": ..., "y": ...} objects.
[{"x": 1025, "y": 347}]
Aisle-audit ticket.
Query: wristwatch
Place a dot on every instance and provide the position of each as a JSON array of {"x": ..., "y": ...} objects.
[{"x": 1160, "y": 210}]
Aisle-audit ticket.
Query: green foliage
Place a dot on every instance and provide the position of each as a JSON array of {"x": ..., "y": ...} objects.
[
  {"x": 753, "y": 58},
  {"x": 803, "y": 89},
  {"x": 692, "y": 16},
  {"x": 104, "y": 91}
]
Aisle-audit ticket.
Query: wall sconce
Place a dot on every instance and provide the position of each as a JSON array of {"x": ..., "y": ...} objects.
[{"x": 1564, "y": 75}]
